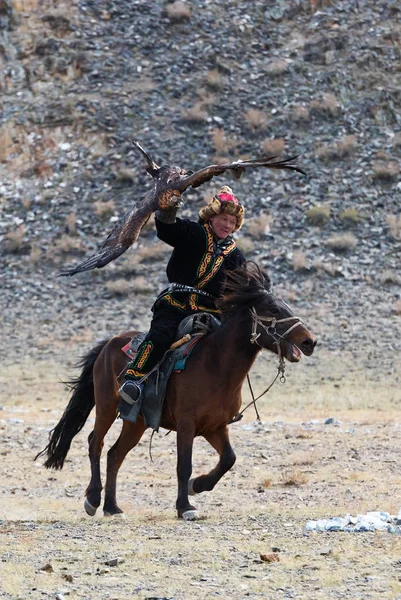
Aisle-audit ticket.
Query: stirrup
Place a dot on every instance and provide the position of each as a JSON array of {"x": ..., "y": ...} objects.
[{"x": 235, "y": 419}]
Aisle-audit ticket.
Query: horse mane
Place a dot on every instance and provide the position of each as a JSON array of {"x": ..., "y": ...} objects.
[{"x": 244, "y": 287}]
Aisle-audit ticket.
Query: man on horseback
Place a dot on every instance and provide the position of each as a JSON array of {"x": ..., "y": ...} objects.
[{"x": 202, "y": 254}]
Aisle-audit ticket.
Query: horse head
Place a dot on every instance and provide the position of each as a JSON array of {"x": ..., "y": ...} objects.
[{"x": 275, "y": 327}]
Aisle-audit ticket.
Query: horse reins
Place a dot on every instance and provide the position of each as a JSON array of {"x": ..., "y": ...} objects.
[{"x": 271, "y": 330}]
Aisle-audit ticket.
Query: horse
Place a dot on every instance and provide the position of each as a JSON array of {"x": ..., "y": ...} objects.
[{"x": 200, "y": 401}]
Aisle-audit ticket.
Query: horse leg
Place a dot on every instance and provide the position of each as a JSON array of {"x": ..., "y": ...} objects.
[
  {"x": 185, "y": 440},
  {"x": 95, "y": 440},
  {"x": 130, "y": 435},
  {"x": 220, "y": 441}
]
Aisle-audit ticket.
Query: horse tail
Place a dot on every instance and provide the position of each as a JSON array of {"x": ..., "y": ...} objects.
[{"x": 75, "y": 415}]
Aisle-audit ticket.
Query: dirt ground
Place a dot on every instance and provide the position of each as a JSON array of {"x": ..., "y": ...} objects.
[{"x": 291, "y": 468}]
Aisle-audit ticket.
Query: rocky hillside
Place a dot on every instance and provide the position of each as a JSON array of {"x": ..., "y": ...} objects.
[{"x": 195, "y": 83}]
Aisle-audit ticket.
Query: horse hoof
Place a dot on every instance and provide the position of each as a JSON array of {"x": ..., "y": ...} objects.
[
  {"x": 190, "y": 515},
  {"x": 191, "y": 491},
  {"x": 120, "y": 515},
  {"x": 89, "y": 509}
]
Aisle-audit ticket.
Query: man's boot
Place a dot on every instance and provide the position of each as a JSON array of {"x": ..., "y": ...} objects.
[{"x": 130, "y": 394}]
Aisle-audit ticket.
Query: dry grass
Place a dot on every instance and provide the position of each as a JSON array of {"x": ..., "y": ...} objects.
[
  {"x": 323, "y": 267},
  {"x": 318, "y": 215},
  {"x": 319, "y": 4},
  {"x": 326, "y": 106},
  {"x": 389, "y": 276},
  {"x": 256, "y": 119},
  {"x": 215, "y": 80},
  {"x": 246, "y": 245},
  {"x": 151, "y": 253},
  {"x": 103, "y": 210},
  {"x": 338, "y": 150},
  {"x": 304, "y": 458},
  {"x": 125, "y": 175},
  {"x": 397, "y": 308},
  {"x": 14, "y": 239},
  {"x": 35, "y": 255},
  {"x": 195, "y": 114},
  {"x": 274, "y": 146},
  {"x": 385, "y": 172},
  {"x": 259, "y": 226},
  {"x": 122, "y": 287},
  {"x": 350, "y": 216},
  {"x": 343, "y": 242},
  {"x": 277, "y": 67},
  {"x": 71, "y": 223},
  {"x": 394, "y": 224},
  {"x": 299, "y": 261},
  {"x": 67, "y": 244},
  {"x": 397, "y": 140},
  {"x": 294, "y": 477},
  {"x": 178, "y": 11},
  {"x": 299, "y": 114},
  {"x": 223, "y": 143}
]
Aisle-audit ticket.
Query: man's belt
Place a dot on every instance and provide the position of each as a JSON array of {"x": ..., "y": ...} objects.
[{"x": 180, "y": 287}]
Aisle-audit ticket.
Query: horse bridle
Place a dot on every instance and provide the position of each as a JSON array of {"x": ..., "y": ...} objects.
[{"x": 271, "y": 330}]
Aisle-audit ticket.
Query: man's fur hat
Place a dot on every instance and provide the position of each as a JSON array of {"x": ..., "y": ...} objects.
[{"x": 224, "y": 202}]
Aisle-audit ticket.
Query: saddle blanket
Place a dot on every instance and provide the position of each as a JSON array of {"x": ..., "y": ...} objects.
[{"x": 150, "y": 403}]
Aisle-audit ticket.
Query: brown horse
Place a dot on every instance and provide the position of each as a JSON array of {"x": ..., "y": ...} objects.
[{"x": 200, "y": 401}]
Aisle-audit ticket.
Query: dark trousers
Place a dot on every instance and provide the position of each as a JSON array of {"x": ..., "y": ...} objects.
[{"x": 161, "y": 335}]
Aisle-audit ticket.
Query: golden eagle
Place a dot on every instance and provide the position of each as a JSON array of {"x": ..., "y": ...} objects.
[{"x": 169, "y": 184}]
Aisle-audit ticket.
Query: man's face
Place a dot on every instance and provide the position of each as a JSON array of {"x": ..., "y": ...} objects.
[{"x": 223, "y": 224}]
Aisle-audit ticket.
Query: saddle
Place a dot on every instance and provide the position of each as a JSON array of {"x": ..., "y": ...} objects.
[{"x": 189, "y": 332}]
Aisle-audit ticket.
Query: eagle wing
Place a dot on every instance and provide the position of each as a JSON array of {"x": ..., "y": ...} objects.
[
  {"x": 237, "y": 168},
  {"x": 123, "y": 235},
  {"x": 151, "y": 167}
]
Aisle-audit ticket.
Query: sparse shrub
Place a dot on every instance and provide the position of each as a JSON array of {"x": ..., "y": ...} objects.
[
  {"x": 394, "y": 224},
  {"x": 71, "y": 223},
  {"x": 299, "y": 261},
  {"x": 274, "y": 146},
  {"x": 195, "y": 114},
  {"x": 337, "y": 150},
  {"x": 35, "y": 255},
  {"x": 277, "y": 67},
  {"x": 223, "y": 143},
  {"x": 259, "y": 226},
  {"x": 343, "y": 242},
  {"x": 397, "y": 308},
  {"x": 104, "y": 209},
  {"x": 322, "y": 267},
  {"x": 256, "y": 119},
  {"x": 386, "y": 172},
  {"x": 178, "y": 11},
  {"x": 389, "y": 276},
  {"x": 327, "y": 106},
  {"x": 318, "y": 215},
  {"x": 122, "y": 287},
  {"x": 14, "y": 240},
  {"x": 350, "y": 216},
  {"x": 26, "y": 203},
  {"x": 214, "y": 79},
  {"x": 397, "y": 140},
  {"x": 299, "y": 114},
  {"x": 246, "y": 245},
  {"x": 154, "y": 252},
  {"x": 294, "y": 477},
  {"x": 68, "y": 245},
  {"x": 267, "y": 482},
  {"x": 125, "y": 175}
]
